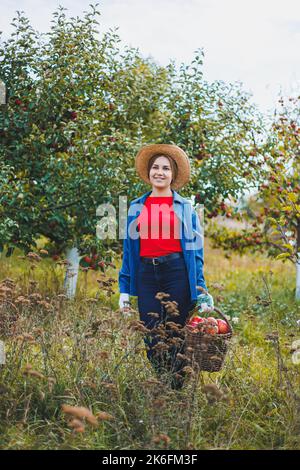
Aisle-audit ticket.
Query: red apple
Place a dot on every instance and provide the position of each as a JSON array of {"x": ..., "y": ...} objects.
[
  {"x": 212, "y": 320},
  {"x": 222, "y": 326},
  {"x": 196, "y": 320},
  {"x": 73, "y": 115},
  {"x": 211, "y": 329}
]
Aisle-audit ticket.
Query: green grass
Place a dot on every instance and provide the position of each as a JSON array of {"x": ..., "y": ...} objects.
[{"x": 89, "y": 356}]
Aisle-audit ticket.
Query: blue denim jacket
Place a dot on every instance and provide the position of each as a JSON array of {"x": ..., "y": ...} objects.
[{"x": 191, "y": 240}]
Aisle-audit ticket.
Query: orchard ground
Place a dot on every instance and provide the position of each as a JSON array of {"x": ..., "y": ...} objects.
[{"x": 82, "y": 353}]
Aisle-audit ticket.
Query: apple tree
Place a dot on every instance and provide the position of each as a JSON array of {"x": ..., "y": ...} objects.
[
  {"x": 273, "y": 212},
  {"x": 76, "y": 112}
]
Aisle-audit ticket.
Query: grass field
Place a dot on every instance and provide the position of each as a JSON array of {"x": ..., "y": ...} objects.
[{"x": 82, "y": 353}]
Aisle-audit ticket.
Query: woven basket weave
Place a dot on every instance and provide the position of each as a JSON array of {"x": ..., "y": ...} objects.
[{"x": 205, "y": 351}]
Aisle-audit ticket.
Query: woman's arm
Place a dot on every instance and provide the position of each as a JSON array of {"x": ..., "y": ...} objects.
[
  {"x": 124, "y": 273},
  {"x": 199, "y": 252}
]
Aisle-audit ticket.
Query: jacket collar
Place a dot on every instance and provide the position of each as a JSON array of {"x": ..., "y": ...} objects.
[{"x": 176, "y": 197}]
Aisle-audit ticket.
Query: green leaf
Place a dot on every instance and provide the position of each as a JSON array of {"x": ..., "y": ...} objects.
[
  {"x": 292, "y": 197},
  {"x": 283, "y": 256},
  {"x": 288, "y": 246}
]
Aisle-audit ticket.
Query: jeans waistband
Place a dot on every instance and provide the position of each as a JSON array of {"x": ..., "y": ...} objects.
[{"x": 161, "y": 259}]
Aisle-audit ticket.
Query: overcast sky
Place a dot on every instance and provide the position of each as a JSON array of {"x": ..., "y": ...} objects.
[{"x": 256, "y": 42}]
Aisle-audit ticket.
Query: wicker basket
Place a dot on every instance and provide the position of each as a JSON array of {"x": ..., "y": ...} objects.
[{"x": 205, "y": 351}]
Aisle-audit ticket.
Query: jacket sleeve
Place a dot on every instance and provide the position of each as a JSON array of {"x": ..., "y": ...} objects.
[
  {"x": 124, "y": 273},
  {"x": 199, "y": 252}
]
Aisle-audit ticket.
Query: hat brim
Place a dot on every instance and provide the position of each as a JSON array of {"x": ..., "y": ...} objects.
[{"x": 145, "y": 153}]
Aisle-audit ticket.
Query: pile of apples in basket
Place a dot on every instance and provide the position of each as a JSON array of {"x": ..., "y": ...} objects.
[{"x": 210, "y": 325}]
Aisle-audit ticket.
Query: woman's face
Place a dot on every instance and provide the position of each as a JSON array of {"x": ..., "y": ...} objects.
[{"x": 161, "y": 173}]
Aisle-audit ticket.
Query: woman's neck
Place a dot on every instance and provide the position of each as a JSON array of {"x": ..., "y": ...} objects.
[{"x": 166, "y": 192}]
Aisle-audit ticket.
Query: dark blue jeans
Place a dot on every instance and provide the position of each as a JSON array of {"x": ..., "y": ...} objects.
[{"x": 170, "y": 277}]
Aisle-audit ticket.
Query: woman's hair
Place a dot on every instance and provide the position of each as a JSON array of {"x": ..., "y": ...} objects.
[{"x": 173, "y": 164}]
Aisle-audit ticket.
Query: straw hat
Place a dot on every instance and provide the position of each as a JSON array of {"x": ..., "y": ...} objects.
[{"x": 170, "y": 150}]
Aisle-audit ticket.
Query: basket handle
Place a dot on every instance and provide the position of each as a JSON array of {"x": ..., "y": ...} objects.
[
  {"x": 217, "y": 310},
  {"x": 223, "y": 318}
]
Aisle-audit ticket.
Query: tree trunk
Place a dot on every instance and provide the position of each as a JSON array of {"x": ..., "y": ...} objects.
[
  {"x": 70, "y": 283},
  {"x": 298, "y": 279},
  {"x": 298, "y": 263}
]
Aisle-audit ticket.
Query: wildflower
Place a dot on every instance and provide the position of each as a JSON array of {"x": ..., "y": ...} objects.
[
  {"x": 151, "y": 381},
  {"x": 174, "y": 326},
  {"x": 175, "y": 341},
  {"x": 80, "y": 412},
  {"x": 109, "y": 386},
  {"x": 138, "y": 325},
  {"x": 8, "y": 281},
  {"x": 104, "y": 416},
  {"x": 158, "y": 403},
  {"x": 33, "y": 256},
  {"x": 4, "y": 288},
  {"x": 34, "y": 373},
  {"x": 160, "y": 346},
  {"x": 217, "y": 286},
  {"x": 77, "y": 425},
  {"x": 160, "y": 331},
  {"x": 174, "y": 313},
  {"x": 25, "y": 337},
  {"x": 212, "y": 392},
  {"x": 235, "y": 320},
  {"x": 22, "y": 300},
  {"x": 161, "y": 295},
  {"x": 35, "y": 296},
  {"x": 188, "y": 370},
  {"x": 181, "y": 356},
  {"x": 153, "y": 314},
  {"x": 272, "y": 336},
  {"x": 103, "y": 355},
  {"x": 51, "y": 382},
  {"x": 170, "y": 306},
  {"x": 216, "y": 358},
  {"x": 162, "y": 438},
  {"x": 44, "y": 304}
]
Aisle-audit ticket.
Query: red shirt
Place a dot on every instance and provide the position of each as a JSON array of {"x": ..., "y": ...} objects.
[{"x": 159, "y": 227}]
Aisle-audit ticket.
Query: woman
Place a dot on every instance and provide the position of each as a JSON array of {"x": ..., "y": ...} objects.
[{"x": 163, "y": 252}]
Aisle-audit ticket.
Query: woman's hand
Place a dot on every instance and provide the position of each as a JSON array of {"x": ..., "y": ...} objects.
[
  {"x": 124, "y": 303},
  {"x": 205, "y": 302}
]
